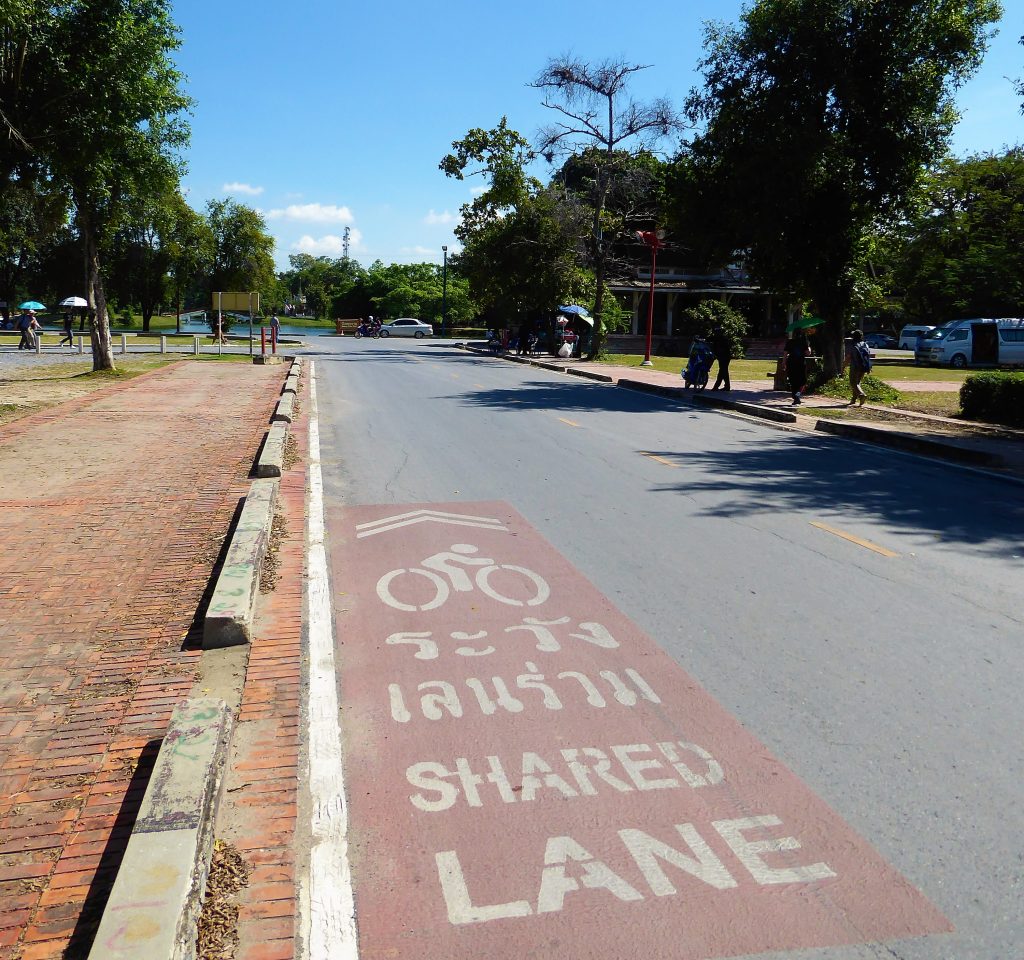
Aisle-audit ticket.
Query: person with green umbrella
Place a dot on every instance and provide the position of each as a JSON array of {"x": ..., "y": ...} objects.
[{"x": 797, "y": 350}]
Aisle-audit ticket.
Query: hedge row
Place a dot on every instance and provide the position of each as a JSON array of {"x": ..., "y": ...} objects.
[{"x": 996, "y": 397}]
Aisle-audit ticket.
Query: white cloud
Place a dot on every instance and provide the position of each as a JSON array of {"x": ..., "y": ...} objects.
[
  {"x": 434, "y": 218},
  {"x": 313, "y": 213},
  {"x": 419, "y": 251},
  {"x": 242, "y": 188},
  {"x": 329, "y": 245},
  {"x": 476, "y": 191},
  {"x": 293, "y": 196}
]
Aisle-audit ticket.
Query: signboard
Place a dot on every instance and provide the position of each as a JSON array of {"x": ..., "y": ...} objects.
[
  {"x": 525, "y": 767},
  {"x": 236, "y": 302}
]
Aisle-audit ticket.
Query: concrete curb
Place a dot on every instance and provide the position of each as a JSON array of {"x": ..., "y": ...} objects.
[
  {"x": 743, "y": 406},
  {"x": 291, "y": 384},
  {"x": 590, "y": 375},
  {"x": 911, "y": 443},
  {"x": 271, "y": 460},
  {"x": 154, "y": 905},
  {"x": 284, "y": 409},
  {"x": 229, "y": 617},
  {"x": 669, "y": 393}
]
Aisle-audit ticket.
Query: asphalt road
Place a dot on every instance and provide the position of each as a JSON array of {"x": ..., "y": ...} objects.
[{"x": 857, "y": 610}]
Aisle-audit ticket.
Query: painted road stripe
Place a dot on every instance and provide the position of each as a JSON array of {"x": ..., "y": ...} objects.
[
  {"x": 668, "y": 463},
  {"x": 867, "y": 544},
  {"x": 531, "y": 775},
  {"x": 571, "y": 423},
  {"x": 332, "y": 927}
]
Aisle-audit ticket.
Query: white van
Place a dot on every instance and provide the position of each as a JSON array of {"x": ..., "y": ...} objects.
[
  {"x": 908, "y": 336},
  {"x": 981, "y": 341}
]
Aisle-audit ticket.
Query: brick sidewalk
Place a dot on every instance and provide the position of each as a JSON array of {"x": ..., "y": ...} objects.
[
  {"x": 113, "y": 511},
  {"x": 259, "y": 810}
]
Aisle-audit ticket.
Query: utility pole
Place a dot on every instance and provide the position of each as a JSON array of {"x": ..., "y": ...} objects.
[
  {"x": 444, "y": 290},
  {"x": 344, "y": 243}
]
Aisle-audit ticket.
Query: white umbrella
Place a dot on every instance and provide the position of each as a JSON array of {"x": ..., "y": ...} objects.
[{"x": 74, "y": 302}]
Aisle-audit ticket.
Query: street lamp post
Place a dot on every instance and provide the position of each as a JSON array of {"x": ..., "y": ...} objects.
[
  {"x": 652, "y": 240},
  {"x": 444, "y": 290}
]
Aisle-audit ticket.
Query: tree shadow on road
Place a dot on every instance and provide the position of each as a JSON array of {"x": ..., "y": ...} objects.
[
  {"x": 834, "y": 476},
  {"x": 580, "y": 396}
]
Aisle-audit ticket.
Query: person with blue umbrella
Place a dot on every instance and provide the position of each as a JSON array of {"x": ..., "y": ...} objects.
[{"x": 28, "y": 325}]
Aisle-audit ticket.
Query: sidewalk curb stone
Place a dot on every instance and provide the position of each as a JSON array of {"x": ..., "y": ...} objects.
[
  {"x": 284, "y": 410},
  {"x": 229, "y": 617},
  {"x": 272, "y": 457},
  {"x": 154, "y": 905},
  {"x": 911, "y": 443}
]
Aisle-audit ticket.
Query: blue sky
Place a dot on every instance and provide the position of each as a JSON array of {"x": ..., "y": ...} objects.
[{"x": 326, "y": 114}]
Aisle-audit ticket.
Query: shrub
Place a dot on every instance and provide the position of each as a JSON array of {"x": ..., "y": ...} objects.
[
  {"x": 700, "y": 320},
  {"x": 878, "y": 391},
  {"x": 994, "y": 396}
]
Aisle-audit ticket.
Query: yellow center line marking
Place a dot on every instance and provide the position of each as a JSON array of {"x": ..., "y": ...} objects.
[
  {"x": 867, "y": 544},
  {"x": 480, "y": 385},
  {"x": 454, "y": 376},
  {"x": 572, "y": 423},
  {"x": 668, "y": 463}
]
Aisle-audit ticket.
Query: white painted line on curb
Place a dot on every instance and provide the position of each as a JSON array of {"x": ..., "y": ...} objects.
[{"x": 332, "y": 924}]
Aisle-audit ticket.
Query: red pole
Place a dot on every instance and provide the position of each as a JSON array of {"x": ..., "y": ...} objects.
[
  {"x": 263, "y": 340},
  {"x": 273, "y": 340},
  {"x": 652, "y": 241}
]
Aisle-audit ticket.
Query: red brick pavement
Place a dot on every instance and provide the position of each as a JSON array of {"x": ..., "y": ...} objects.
[
  {"x": 113, "y": 510},
  {"x": 258, "y": 813}
]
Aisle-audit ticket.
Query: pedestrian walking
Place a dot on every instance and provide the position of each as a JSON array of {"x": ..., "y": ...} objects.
[
  {"x": 721, "y": 346},
  {"x": 69, "y": 330},
  {"x": 28, "y": 325},
  {"x": 796, "y": 364},
  {"x": 860, "y": 367}
]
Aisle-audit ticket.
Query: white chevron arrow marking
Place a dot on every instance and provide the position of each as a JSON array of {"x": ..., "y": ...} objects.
[{"x": 427, "y": 516}]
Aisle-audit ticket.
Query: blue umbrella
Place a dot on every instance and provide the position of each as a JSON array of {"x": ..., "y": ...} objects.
[
  {"x": 31, "y": 305},
  {"x": 576, "y": 310}
]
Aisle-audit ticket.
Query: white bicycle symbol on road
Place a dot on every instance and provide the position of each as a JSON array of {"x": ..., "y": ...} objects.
[{"x": 451, "y": 563}]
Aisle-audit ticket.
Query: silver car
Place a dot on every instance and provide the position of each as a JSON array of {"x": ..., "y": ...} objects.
[{"x": 406, "y": 327}]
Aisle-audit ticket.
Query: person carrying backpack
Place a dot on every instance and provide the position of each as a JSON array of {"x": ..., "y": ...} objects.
[{"x": 860, "y": 367}]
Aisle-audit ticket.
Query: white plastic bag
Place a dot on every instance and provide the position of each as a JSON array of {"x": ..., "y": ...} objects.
[{"x": 564, "y": 351}]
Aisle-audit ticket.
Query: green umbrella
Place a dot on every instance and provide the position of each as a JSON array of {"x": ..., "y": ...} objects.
[{"x": 804, "y": 323}]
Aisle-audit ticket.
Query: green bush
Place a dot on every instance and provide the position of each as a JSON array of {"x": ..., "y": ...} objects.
[
  {"x": 701, "y": 320},
  {"x": 878, "y": 391},
  {"x": 996, "y": 397}
]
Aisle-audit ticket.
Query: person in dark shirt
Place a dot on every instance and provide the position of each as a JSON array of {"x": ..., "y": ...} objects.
[
  {"x": 721, "y": 346},
  {"x": 796, "y": 364}
]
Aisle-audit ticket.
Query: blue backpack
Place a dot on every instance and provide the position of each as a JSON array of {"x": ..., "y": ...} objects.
[{"x": 865, "y": 356}]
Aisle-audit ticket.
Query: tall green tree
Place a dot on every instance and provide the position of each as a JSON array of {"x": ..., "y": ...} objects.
[
  {"x": 521, "y": 241},
  {"x": 189, "y": 245},
  {"x": 243, "y": 250},
  {"x": 114, "y": 124},
  {"x": 820, "y": 117},
  {"x": 597, "y": 119},
  {"x": 963, "y": 250}
]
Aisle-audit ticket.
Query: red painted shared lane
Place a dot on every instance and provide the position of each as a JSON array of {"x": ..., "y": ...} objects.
[{"x": 530, "y": 775}]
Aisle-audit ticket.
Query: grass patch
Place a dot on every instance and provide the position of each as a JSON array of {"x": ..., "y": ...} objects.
[
  {"x": 907, "y": 371},
  {"x": 938, "y": 403},
  {"x": 222, "y": 357}
]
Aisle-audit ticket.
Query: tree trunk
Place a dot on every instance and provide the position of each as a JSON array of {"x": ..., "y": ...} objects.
[
  {"x": 597, "y": 338},
  {"x": 831, "y": 345},
  {"x": 102, "y": 348}
]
